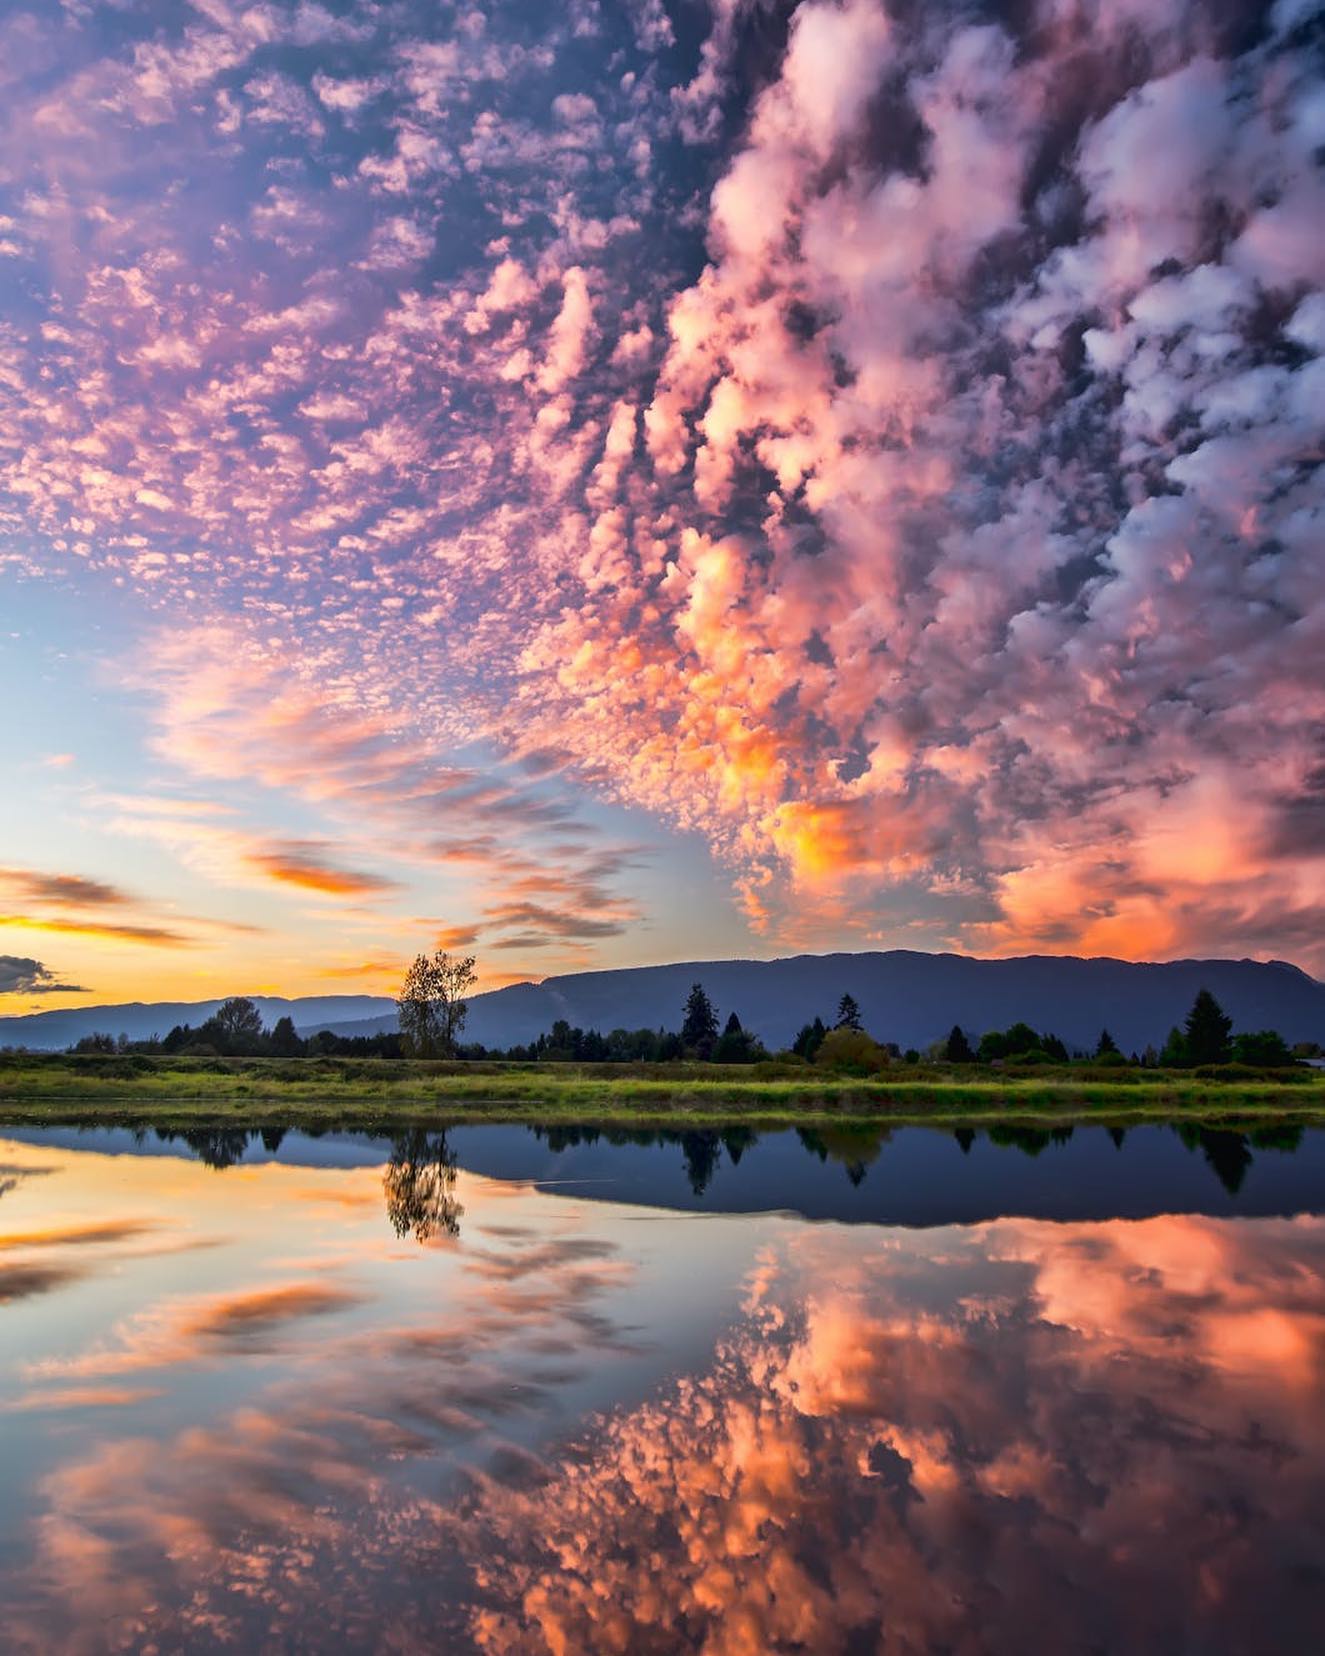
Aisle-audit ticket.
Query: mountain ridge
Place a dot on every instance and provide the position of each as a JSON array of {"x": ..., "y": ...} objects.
[{"x": 905, "y": 995}]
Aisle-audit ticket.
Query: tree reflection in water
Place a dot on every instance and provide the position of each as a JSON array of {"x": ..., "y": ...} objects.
[
  {"x": 217, "y": 1147},
  {"x": 419, "y": 1185},
  {"x": 1227, "y": 1153},
  {"x": 854, "y": 1144},
  {"x": 419, "y": 1182},
  {"x": 701, "y": 1149}
]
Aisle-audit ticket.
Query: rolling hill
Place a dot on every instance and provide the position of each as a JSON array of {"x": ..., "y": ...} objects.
[{"x": 140, "y": 1020}]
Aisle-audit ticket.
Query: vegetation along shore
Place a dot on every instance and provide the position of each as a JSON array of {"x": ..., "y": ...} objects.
[
  {"x": 141, "y": 1089},
  {"x": 234, "y": 1070}
]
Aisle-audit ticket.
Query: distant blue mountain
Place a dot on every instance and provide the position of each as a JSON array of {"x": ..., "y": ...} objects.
[
  {"x": 904, "y": 996},
  {"x": 140, "y": 1020}
]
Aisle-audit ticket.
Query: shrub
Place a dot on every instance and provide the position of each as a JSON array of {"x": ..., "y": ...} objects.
[
  {"x": 851, "y": 1052},
  {"x": 1264, "y": 1047}
]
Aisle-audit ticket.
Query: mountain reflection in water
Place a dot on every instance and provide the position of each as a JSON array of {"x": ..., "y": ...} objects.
[{"x": 404, "y": 1405}]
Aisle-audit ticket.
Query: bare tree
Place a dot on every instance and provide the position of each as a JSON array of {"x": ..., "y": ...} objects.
[{"x": 431, "y": 1005}]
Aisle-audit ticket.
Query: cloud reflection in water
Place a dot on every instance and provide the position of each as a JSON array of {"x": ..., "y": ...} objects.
[
  {"x": 526, "y": 1438},
  {"x": 1022, "y": 1435}
]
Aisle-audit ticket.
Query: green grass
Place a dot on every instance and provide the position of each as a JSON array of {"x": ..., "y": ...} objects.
[{"x": 157, "y": 1091}]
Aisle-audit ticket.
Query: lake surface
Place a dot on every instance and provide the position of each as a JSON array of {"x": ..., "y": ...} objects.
[{"x": 499, "y": 1390}]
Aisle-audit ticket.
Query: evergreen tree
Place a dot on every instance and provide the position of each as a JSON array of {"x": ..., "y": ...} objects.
[
  {"x": 848, "y": 1014},
  {"x": 699, "y": 1030},
  {"x": 179, "y": 1037},
  {"x": 1207, "y": 1030},
  {"x": 737, "y": 1045},
  {"x": 1105, "y": 1045},
  {"x": 958, "y": 1049},
  {"x": 809, "y": 1039},
  {"x": 1174, "y": 1052},
  {"x": 560, "y": 1042},
  {"x": 285, "y": 1042}
]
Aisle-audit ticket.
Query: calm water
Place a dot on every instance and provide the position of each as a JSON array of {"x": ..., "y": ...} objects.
[{"x": 501, "y": 1391}]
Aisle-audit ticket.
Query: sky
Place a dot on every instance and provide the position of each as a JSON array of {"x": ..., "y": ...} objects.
[{"x": 592, "y": 484}]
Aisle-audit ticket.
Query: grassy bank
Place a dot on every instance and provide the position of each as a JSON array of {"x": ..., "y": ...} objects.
[{"x": 372, "y": 1093}]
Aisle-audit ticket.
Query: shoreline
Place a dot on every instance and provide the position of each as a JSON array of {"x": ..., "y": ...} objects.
[
  {"x": 147, "y": 1092},
  {"x": 371, "y": 1116}
]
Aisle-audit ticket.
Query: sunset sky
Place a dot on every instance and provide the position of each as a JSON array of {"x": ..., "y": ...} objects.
[{"x": 609, "y": 481}]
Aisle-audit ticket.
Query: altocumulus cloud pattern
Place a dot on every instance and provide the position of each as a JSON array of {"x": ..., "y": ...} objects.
[{"x": 883, "y": 439}]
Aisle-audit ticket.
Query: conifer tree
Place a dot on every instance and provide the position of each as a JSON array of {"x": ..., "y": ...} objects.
[
  {"x": 1174, "y": 1052},
  {"x": 699, "y": 1030},
  {"x": 1207, "y": 1031},
  {"x": 958, "y": 1048},
  {"x": 809, "y": 1039},
  {"x": 285, "y": 1042}
]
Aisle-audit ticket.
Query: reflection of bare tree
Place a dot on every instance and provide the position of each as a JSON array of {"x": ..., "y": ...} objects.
[{"x": 419, "y": 1184}]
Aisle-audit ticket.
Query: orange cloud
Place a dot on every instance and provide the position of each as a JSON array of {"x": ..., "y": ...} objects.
[
  {"x": 192, "y": 1330},
  {"x": 156, "y": 936},
  {"x": 22, "y": 1280},
  {"x": 388, "y": 966},
  {"x": 82, "y": 1397},
  {"x": 303, "y": 863},
  {"x": 456, "y": 937},
  {"x": 73, "y": 1235},
  {"x": 61, "y": 890}
]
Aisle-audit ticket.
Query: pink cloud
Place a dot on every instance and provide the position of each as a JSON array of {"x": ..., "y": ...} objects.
[{"x": 568, "y": 340}]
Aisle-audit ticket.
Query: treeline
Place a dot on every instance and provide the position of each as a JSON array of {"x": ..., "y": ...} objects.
[
  {"x": 698, "y": 1038},
  {"x": 419, "y": 1176},
  {"x": 1206, "y": 1037},
  {"x": 236, "y": 1030}
]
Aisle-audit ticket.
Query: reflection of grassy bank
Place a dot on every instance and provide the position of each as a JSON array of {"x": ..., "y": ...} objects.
[{"x": 358, "y": 1092}]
